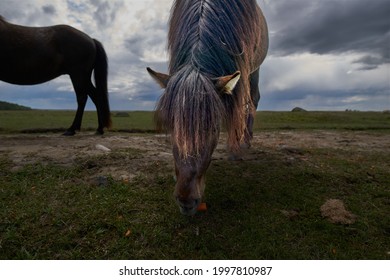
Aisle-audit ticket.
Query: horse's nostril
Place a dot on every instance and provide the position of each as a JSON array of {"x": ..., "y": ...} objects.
[
  {"x": 188, "y": 207},
  {"x": 197, "y": 202}
]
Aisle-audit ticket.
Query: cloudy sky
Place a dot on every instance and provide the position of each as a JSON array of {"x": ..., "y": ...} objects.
[{"x": 324, "y": 55}]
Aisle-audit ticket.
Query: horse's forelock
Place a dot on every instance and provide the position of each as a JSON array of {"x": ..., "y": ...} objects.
[{"x": 191, "y": 110}]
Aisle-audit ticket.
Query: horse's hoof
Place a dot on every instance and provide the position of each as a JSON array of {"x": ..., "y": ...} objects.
[
  {"x": 99, "y": 132},
  {"x": 69, "y": 133}
]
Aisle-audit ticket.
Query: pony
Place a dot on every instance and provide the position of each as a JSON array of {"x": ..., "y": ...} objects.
[
  {"x": 34, "y": 55},
  {"x": 216, "y": 48}
]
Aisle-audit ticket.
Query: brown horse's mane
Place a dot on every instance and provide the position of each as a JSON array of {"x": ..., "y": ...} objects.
[{"x": 208, "y": 39}]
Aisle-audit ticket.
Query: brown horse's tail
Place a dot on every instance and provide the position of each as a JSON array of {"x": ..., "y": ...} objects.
[{"x": 101, "y": 72}]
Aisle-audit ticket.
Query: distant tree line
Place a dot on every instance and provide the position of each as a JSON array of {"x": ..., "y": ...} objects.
[{"x": 11, "y": 106}]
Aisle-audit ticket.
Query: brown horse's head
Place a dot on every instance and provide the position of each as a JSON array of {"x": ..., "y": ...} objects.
[{"x": 191, "y": 110}]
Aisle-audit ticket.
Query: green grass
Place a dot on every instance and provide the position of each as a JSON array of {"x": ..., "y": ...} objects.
[
  {"x": 52, "y": 212},
  {"x": 56, "y": 121},
  {"x": 323, "y": 120},
  {"x": 55, "y": 212}
]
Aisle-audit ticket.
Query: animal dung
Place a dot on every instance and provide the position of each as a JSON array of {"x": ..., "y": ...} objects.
[
  {"x": 102, "y": 148},
  {"x": 334, "y": 210},
  {"x": 202, "y": 207}
]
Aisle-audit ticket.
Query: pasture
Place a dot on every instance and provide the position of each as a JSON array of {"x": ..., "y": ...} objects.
[{"x": 64, "y": 198}]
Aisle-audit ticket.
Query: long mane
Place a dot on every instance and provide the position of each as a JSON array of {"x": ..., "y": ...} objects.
[
  {"x": 215, "y": 36},
  {"x": 208, "y": 39},
  {"x": 191, "y": 110}
]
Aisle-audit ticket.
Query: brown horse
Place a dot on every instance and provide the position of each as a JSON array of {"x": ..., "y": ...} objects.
[
  {"x": 34, "y": 55},
  {"x": 216, "y": 48}
]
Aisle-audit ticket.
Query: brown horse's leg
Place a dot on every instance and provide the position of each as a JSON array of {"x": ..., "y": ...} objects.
[
  {"x": 81, "y": 95},
  {"x": 92, "y": 92},
  {"x": 84, "y": 88}
]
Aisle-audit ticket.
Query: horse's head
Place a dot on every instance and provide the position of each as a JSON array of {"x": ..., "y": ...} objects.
[
  {"x": 190, "y": 178},
  {"x": 191, "y": 109}
]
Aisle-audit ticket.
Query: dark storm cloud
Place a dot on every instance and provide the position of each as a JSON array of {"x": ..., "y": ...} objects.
[
  {"x": 38, "y": 97},
  {"x": 106, "y": 11},
  {"x": 316, "y": 48},
  {"x": 332, "y": 27},
  {"x": 369, "y": 62},
  {"x": 49, "y": 9},
  {"x": 331, "y": 100},
  {"x": 153, "y": 36},
  {"x": 138, "y": 43}
]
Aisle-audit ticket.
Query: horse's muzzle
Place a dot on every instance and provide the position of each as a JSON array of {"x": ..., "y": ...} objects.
[{"x": 188, "y": 208}]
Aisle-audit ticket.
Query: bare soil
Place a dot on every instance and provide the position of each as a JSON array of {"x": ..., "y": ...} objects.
[{"x": 142, "y": 149}]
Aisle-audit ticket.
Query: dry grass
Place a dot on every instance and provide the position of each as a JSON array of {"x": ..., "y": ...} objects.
[{"x": 334, "y": 210}]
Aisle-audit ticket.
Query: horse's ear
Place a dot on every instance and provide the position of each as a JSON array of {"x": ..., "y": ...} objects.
[
  {"x": 226, "y": 84},
  {"x": 160, "y": 78}
]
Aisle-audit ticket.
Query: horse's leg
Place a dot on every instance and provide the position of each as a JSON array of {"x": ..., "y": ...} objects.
[
  {"x": 92, "y": 92},
  {"x": 84, "y": 88},
  {"x": 82, "y": 97},
  {"x": 255, "y": 96}
]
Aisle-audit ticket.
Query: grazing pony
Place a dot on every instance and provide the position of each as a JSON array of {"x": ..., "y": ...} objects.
[
  {"x": 34, "y": 55},
  {"x": 216, "y": 48}
]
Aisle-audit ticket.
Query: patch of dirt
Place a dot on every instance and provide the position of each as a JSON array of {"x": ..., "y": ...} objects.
[
  {"x": 145, "y": 149},
  {"x": 345, "y": 140},
  {"x": 334, "y": 210},
  {"x": 88, "y": 150}
]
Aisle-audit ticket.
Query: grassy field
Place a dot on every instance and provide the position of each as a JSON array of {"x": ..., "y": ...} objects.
[
  {"x": 42, "y": 121},
  {"x": 56, "y": 121},
  {"x": 264, "y": 208}
]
